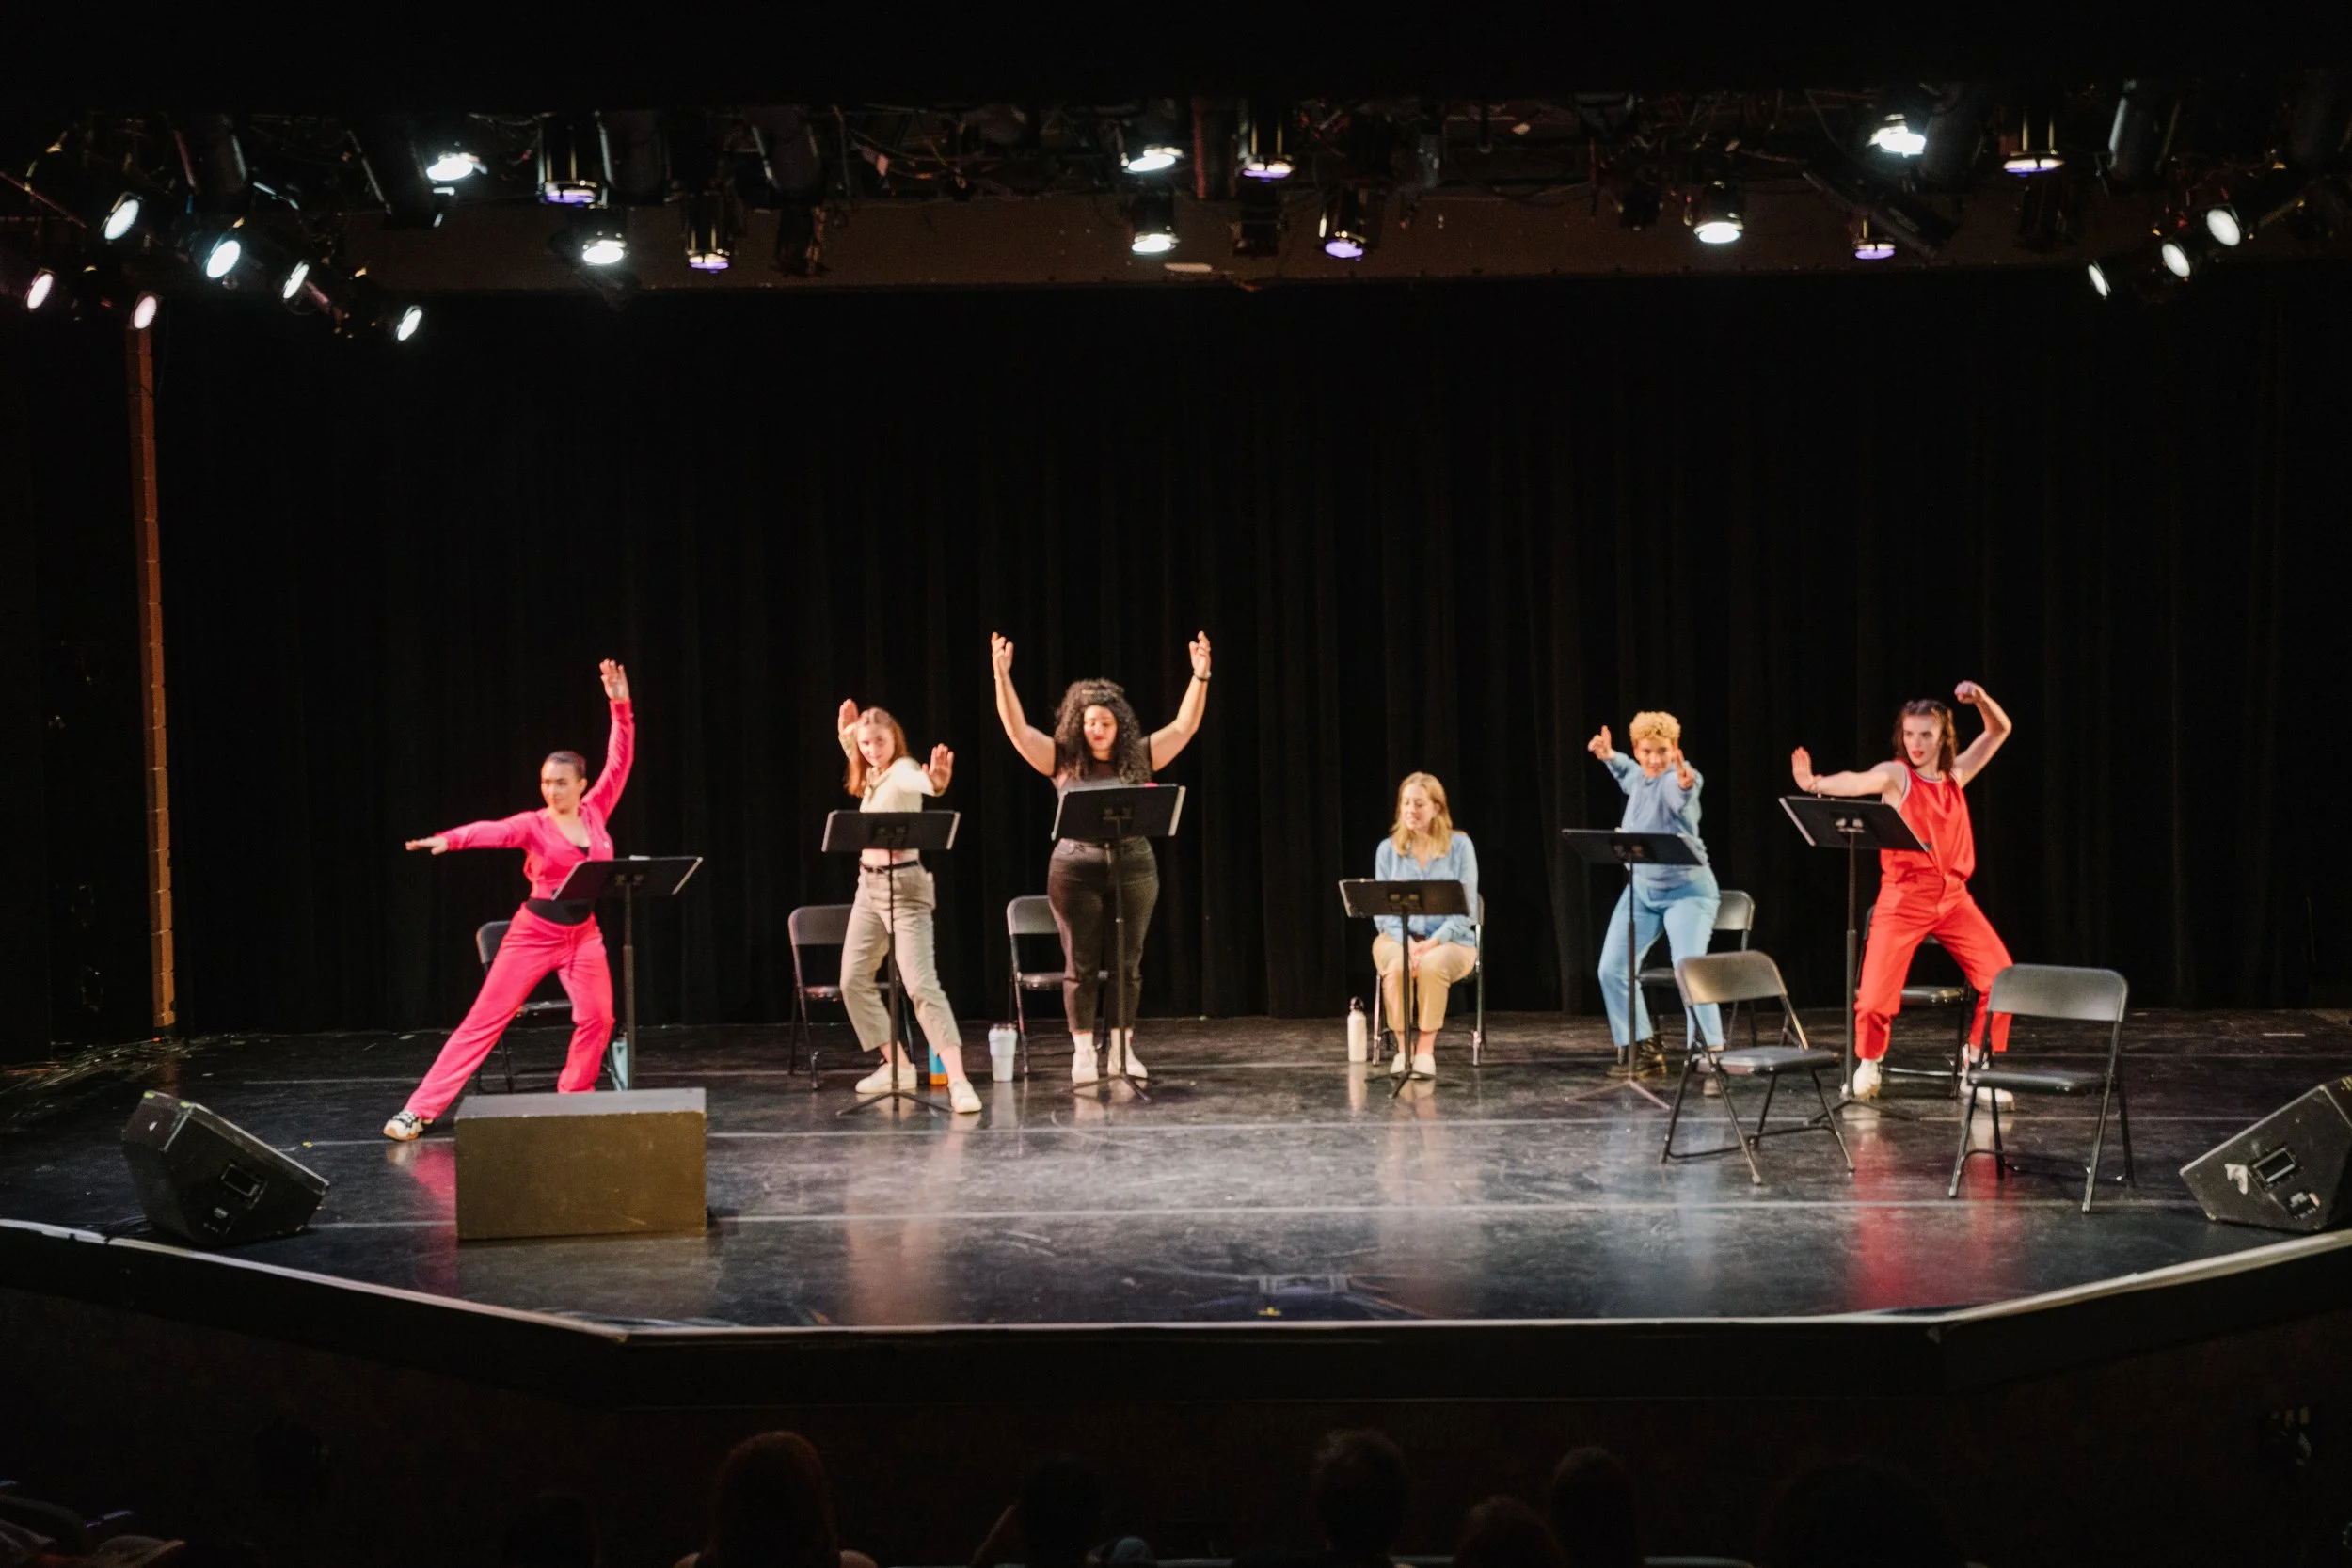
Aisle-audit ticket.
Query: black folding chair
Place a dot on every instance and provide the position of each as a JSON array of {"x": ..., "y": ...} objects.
[
  {"x": 1736, "y": 913},
  {"x": 2080, "y": 996},
  {"x": 488, "y": 939},
  {"x": 1957, "y": 996},
  {"x": 813, "y": 925},
  {"x": 1727, "y": 978}
]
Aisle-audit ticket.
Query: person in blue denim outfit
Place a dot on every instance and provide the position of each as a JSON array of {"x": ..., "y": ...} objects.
[{"x": 1661, "y": 795}]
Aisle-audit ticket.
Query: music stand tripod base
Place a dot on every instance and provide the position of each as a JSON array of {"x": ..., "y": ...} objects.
[
  {"x": 1849, "y": 823},
  {"x": 1107, "y": 815},
  {"x": 1618, "y": 847},
  {"x": 854, "y": 833}
]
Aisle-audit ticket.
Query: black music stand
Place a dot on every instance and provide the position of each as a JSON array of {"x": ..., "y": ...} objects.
[
  {"x": 632, "y": 877},
  {"x": 854, "y": 833},
  {"x": 1368, "y": 900},
  {"x": 1616, "y": 847},
  {"x": 1105, "y": 815},
  {"x": 1832, "y": 822}
]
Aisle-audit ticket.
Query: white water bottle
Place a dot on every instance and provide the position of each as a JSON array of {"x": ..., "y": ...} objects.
[
  {"x": 1003, "y": 1040},
  {"x": 1359, "y": 1031}
]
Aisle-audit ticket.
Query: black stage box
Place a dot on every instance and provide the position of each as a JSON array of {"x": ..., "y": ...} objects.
[
  {"x": 2286, "y": 1171},
  {"x": 207, "y": 1181},
  {"x": 580, "y": 1164}
]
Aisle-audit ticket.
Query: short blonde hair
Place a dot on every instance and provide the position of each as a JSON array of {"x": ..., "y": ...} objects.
[{"x": 1655, "y": 723}]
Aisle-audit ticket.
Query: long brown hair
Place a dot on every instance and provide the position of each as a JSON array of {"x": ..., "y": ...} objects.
[
  {"x": 1928, "y": 707},
  {"x": 1440, "y": 816},
  {"x": 855, "y": 782}
]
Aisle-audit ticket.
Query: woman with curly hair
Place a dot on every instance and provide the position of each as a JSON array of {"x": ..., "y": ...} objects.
[
  {"x": 1097, "y": 740},
  {"x": 1661, "y": 795}
]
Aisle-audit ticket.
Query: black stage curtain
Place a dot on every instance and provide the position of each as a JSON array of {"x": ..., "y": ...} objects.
[{"x": 1453, "y": 528}]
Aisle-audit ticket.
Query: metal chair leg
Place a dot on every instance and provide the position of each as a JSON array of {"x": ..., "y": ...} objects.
[
  {"x": 1967, "y": 1126},
  {"x": 2124, "y": 1116},
  {"x": 1747, "y": 1146},
  {"x": 1772, "y": 1087},
  {"x": 2098, "y": 1144},
  {"x": 1829, "y": 1117},
  {"x": 800, "y": 1030},
  {"x": 1960, "y": 1044},
  {"x": 1674, "y": 1116}
]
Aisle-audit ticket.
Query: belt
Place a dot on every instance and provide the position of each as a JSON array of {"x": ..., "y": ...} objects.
[{"x": 914, "y": 864}]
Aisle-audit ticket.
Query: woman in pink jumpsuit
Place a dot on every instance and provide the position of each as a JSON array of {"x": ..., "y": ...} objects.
[
  {"x": 1922, "y": 895},
  {"x": 548, "y": 935}
]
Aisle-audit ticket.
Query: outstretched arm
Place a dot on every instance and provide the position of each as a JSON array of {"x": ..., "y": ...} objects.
[
  {"x": 505, "y": 833},
  {"x": 1879, "y": 781},
  {"x": 1036, "y": 749},
  {"x": 1996, "y": 727},
  {"x": 1178, "y": 735},
  {"x": 620, "y": 747}
]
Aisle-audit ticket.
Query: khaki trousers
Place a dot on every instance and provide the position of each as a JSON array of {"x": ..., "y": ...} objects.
[{"x": 1440, "y": 967}]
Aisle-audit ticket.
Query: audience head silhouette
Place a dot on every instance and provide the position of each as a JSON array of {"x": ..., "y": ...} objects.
[
  {"x": 1061, "y": 1511},
  {"x": 771, "y": 1507},
  {"x": 1505, "y": 1532},
  {"x": 1591, "y": 1504},
  {"x": 1357, "y": 1487}
]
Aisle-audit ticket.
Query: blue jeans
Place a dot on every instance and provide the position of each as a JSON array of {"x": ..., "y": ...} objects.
[{"x": 1687, "y": 913}]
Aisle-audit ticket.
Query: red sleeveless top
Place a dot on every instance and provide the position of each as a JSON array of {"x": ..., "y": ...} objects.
[{"x": 1938, "y": 812}]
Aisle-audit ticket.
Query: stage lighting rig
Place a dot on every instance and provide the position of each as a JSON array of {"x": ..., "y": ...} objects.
[
  {"x": 291, "y": 281},
  {"x": 37, "y": 289},
  {"x": 217, "y": 250},
  {"x": 2141, "y": 137},
  {"x": 1152, "y": 220},
  {"x": 122, "y": 217},
  {"x": 1151, "y": 142},
  {"x": 1264, "y": 143},
  {"x": 403, "y": 322},
  {"x": 387, "y": 155},
  {"x": 1868, "y": 243},
  {"x": 573, "y": 164},
  {"x": 597, "y": 238},
  {"x": 1898, "y": 125},
  {"x": 1903, "y": 219},
  {"x": 1715, "y": 213},
  {"x": 2034, "y": 149},
  {"x": 713, "y": 225},
  {"x": 143, "y": 310}
]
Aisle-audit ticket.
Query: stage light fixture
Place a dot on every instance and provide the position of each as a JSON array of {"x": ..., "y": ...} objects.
[
  {"x": 1896, "y": 134},
  {"x": 2100, "y": 284},
  {"x": 2181, "y": 256},
  {"x": 1868, "y": 243},
  {"x": 221, "y": 254},
  {"x": 404, "y": 321},
  {"x": 2223, "y": 222},
  {"x": 711, "y": 227},
  {"x": 37, "y": 292},
  {"x": 572, "y": 161},
  {"x": 121, "y": 217},
  {"x": 2141, "y": 136},
  {"x": 598, "y": 240},
  {"x": 1346, "y": 226},
  {"x": 450, "y": 165},
  {"x": 1714, "y": 212},
  {"x": 143, "y": 310},
  {"x": 295, "y": 276},
  {"x": 2034, "y": 151},
  {"x": 1894, "y": 215},
  {"x": 1150, "y": 158},
  {"x": 1152, "y": 221},
  {"x": 1265, "y": 143}
]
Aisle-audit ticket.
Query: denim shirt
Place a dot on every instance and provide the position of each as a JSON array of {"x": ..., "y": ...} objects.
[
  {"x": 1459, "y": 864},
  {"x": 1660, "y": 806}
]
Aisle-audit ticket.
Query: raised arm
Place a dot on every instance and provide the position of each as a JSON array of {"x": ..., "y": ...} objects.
[
  {"x": 1036, "y": 749},
  {"x": 1621, "y": 767},
  {"x": 1996, "y": 727},
  {"x": 845, "y": 724},
  {"x": 1178, "y": 735},
  {"x": 620, "y": 746},
  {"x": 1882, "y": 781}
]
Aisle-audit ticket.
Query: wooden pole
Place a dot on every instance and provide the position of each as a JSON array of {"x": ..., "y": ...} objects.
[{"x": 140, "y": 365}]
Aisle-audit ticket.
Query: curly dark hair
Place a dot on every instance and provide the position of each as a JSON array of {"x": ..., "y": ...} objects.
[{"x": 1131, "y": 750}]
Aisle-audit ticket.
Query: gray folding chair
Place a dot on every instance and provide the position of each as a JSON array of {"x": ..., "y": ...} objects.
[
  {"x": 1030, "y": 915},
  {"x": 2080, "y": 996},
  {"x": 487, "y": 938},
  {"x": 813, "y": 925},
  {"x": 1736, "y": 913},
  {"x": 1478, "y": 983},
  {"x": 1726, "y": 978},
  {"x": 1955, "y": 996}
]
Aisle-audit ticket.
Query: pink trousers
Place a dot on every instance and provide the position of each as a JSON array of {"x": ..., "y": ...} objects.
[{"x": 534, "y": 949}]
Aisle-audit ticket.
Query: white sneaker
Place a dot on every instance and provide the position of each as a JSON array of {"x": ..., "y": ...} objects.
[
  {"x": 1969, "y": 1062},
  {"x": 879, "y": 1080},
  {"x": 406, "y": 1127},
  {"x": 1135, "y": 1063},
  {"x": 1396, "y": 1064},
  {"x": 1867, "y": 1077},
  {"x": 1082, "y": 1065},
  {"x": 964, "y": 1098},
  {"x": 1426, "y": 1064}
]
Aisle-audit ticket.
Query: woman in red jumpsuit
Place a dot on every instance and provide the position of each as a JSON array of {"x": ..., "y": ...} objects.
[
  {"x": 548, "y": 935},
  {"x": 1922, "y": 895}
]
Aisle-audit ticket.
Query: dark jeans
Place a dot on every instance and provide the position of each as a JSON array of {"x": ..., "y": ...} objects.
[{"x": 1078, "y": 885}]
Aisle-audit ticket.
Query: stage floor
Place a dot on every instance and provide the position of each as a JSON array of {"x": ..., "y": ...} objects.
[{"x": 1264, "y": 1178}]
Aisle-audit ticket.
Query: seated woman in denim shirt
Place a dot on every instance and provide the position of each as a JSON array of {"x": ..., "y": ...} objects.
[
  {"x": 1424, "y": 847},
  {"x": 1661, "y": 795}
]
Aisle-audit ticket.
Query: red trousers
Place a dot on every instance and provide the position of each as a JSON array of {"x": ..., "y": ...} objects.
[
  {"x": 1909, "y": 910},
  {"x": 534, "y": 949}
]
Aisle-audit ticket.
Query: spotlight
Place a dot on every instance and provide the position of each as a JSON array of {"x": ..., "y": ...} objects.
[
  {"x": 1898, "y": 135},
  {"x": 2223, "y": 222},
  {"x": 404, "y": 321},
  {"x": 2034, "y": 151},
  {"x": 571, "y": 161},
  {"x": 121, "y": 217},
  {"x": 2103, "y": 285},
  {"x": 1346, "y": 228},
  {"x": 221, "y": 255},
  {"x": 1265, "y": 146},
  {"x": 390, "y": 156},
  {"x": 37, "y": 292},
  {"x": 1150, "y": 158},
  {"x": 710, "y": 230},
  {"x": 599, "y": 241},
  {"x": 1714, "y": 214},
  {"x": 143, "y": 310},
  {"x": 452, "y": 165},
  {"x": 2180, "y": 256},
  {"x": 1868, "y": 243},
  {"x": 296, "y": 275},
  {"x": 2141, "y": 136},
  {"x": 1152, "y": 221}
]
